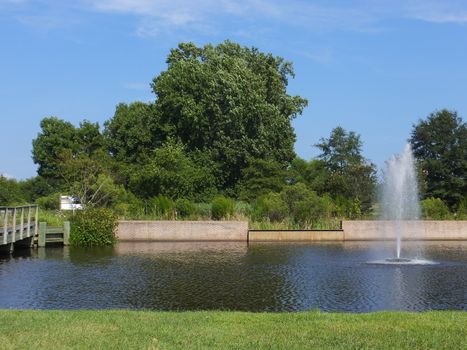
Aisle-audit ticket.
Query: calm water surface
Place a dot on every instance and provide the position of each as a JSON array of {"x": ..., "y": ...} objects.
[{"x": 235, "y": 276}]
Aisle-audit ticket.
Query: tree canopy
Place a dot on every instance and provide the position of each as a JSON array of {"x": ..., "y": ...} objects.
[
  {"x": 221, "y": 125},
  {"x": 10, "y": 191},
  {"x": 229, "y": 102},
  {"x": 170, "y": 172},
  {"x": 133, "y": 132},
  {"x": 350, "y": 175},
  {"x": 57, "y": 137},
  {"x": 440, "y": 145}
]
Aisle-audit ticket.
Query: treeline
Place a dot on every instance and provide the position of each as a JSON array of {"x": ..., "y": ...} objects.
[{"x": 218, "y": 142}]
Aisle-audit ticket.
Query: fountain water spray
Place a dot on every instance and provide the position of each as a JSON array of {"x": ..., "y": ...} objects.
[{"x": 400, "y": 199}]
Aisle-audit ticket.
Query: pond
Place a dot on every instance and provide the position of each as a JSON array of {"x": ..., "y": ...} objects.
[{"x": 235, "y": 276}]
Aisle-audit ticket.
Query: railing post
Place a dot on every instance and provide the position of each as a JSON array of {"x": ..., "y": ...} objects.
[
  {"x": 21, "y": 224},
  {"x": 13, "y": 231},
  {"x": 29, "y": 222},
  {"x": 36, "y": 221},
  {"x": 42, "y": 234},
  {"x": 5, "y": 226},
  {"x": 66, "y": 233}
]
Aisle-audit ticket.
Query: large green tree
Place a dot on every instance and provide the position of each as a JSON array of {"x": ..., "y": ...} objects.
[
  {"x": 350, "y": 175},
  {"x": 57, "y": 137},
  {"x": 170, "y": 172},
  {"x": 133, "y": 133},
  {"x": 230, "y": 102},
  {"x": 440, "y": 145}
]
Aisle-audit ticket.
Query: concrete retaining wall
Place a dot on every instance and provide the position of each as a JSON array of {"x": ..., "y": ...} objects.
[
  {"x": 238, "y": 231},
  {"x": 182, "y": 230},
  {"x": 293, "y": 235},
  {"x": 411, "y": 230}
]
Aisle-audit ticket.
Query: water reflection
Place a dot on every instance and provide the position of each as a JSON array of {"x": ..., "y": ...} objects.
[{"x": 234, "y": 276}]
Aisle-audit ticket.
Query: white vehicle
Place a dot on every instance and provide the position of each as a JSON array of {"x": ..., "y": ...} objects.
[{"x": 70, "y": 203}]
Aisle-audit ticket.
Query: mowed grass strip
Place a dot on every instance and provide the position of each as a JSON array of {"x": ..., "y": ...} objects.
[{"x": 122, "y": 329}]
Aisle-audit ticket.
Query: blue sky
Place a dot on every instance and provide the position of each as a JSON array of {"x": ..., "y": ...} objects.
[{"x": 373, "y": 67}]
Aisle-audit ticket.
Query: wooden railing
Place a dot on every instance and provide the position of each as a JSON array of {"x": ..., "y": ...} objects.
[{"x": 18, "y": 223}]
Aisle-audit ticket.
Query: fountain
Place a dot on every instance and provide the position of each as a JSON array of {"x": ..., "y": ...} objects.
[{"x": 400, "y": 201}]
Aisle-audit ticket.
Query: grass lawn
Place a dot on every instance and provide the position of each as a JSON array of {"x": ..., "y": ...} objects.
[{"x": 231, "y": 330}]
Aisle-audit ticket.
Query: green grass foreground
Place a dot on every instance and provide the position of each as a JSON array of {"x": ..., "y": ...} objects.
[{"x": 231, "y": 330}]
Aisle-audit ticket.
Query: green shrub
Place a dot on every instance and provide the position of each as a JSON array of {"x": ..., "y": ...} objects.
[
  {"x": 184, "y": 208},
  {"x": 128, "y": 205},
  {"x": 222, "y": 207},
  {"x": 355, "y": 211},
  {"x": 243, "y": 208},
  {"x": 10, "y": 192},
  {"x": 50, "y": 202},
  {"x": 304, "y": 205},
  {"x": 329, "y": 207},
  {"x": 203, "y": 210},
  {"x": 435, "y": 209},
  {"x": 93, "y": 227},
  {"x": 350, "y": 208},
  {"x": 271, "y": 207},
  {"x": 124, "y": 210},
  {"x": 462, "y": 210},
  {"x": 162, "y": 207}
]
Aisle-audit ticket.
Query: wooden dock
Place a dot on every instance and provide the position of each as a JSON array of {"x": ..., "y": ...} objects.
[
  {"x": 53, "y": 234},
  {"x": 20, "y": 227}
]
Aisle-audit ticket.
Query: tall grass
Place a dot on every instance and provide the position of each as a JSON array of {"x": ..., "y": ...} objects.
[
  {"x": 54, "y": 217},
  {"x": 321, "y": 224}
]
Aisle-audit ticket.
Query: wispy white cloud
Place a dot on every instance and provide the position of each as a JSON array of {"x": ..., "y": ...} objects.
[
  {"x": 321, "y": 16},
  {"x": 206, "y": 16},
  {"x": 438, "y": 11},
  {"x": 157, "y": 17}
]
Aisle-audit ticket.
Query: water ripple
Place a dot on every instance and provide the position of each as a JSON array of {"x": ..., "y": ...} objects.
[{"x": 234, "y": 276}]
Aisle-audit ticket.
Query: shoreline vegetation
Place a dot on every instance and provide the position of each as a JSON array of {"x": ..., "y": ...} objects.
[
  {"x": 57, "y": 218},
  {"x": 124, "y": 329}
]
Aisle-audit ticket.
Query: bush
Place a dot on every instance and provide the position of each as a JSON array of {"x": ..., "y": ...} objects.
[
  {"x": 329, "y": 207},
  {"x": 348, "y": 208},
  {"x": 304, "y": 205},
  {"x": 10, "y": 192},
  {"x": 243, "y": 208},
  {"x": 162, "y": 206},
  {"x": 128, "y": 206},
  {"x": 203, "y": 210},
  {"x": 93, "y": 227},
  {"x": 435, "y": 209},
  {"x": 50, "y": 202},
  {"x": 222, "y": 207},
  {"x": 271, "y": 206},
  {"x": 184, "y": 208},
  {"x": 462, "y": 210}
]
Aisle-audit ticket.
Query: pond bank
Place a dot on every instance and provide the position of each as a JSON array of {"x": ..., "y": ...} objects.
[{"x": 231, "y": 330}]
